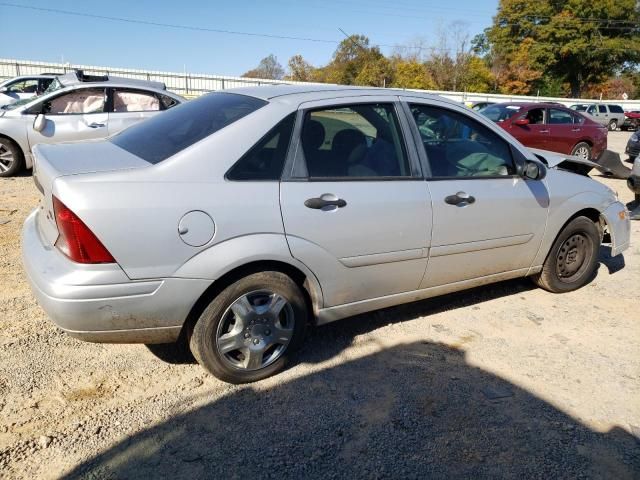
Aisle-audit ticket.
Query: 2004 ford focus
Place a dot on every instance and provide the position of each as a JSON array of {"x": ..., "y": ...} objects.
[{"x": 234, "y": 220}]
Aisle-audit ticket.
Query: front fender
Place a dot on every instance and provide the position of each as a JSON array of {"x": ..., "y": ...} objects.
[
  {"x": 617, "y": 218},
  {"x": 226, "y": 256}
]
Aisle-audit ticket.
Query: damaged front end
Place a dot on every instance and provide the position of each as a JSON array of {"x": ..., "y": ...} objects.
[{"x": 609, "y": 163}]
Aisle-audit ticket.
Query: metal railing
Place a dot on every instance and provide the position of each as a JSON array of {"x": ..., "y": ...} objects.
[{"x": 191, "y": 84}]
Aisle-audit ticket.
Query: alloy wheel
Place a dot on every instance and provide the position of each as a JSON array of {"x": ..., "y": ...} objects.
[
  {"x": 6, "y": 158},
  {"x": 255, "y": 330}
]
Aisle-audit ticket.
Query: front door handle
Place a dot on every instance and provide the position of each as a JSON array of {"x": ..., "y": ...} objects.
[
  {"x": 575, "y": 130},
  {"x": 461, "y": 199},
  {"x": 544, "y": 131},
  {"x": 319, "y": 203},
  {"x": 96, "y": 125}
]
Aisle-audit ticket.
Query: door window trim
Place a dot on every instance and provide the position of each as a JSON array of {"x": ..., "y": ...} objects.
[
  {"x": 517, "y": 157},
  {"x": 295, "y": 164}
]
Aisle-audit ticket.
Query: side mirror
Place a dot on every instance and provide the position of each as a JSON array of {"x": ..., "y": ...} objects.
[
  {"x": 40, "y": 122},
  {"x": 522, "y": 122},
  {"x": 534, "y": 171}
]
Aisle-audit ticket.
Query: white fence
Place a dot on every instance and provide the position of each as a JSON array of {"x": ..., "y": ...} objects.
[{"x": 191, "y": 84}]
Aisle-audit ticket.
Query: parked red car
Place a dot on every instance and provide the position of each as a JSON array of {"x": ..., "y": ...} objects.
[{"x": 550, "y": 126}]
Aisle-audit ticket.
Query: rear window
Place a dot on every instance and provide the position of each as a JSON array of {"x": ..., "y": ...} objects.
[
  {"x": 616, "y": 109},
  {"x": 500, "y": 113},
  {"x": 168, "y": 133}
]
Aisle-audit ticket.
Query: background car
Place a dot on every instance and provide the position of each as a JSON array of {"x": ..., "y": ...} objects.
[
  {"x": 550, "y": 126},
  {"x": 611, "y": 116},
  {"x": 76, "y": 107},
  {"x": 235, "y": 219},
  {"x": 631, "y": 120},
  {"x": 24, "y": 87},
  {"x": 477, "y": 106}
]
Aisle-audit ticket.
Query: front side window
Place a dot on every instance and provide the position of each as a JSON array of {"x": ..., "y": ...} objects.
[
  {"x": 559, "y": 117},
  {"x": 134, "y": 101},
  {"x": 162, "y": 136},
  {"x": 458, "y": 146},
  {"x": 535, "y": 116},
  {"x": 266, "y": 159},
  {"x": 24, "y": 86},
  {"x": 355, "y": 141},
  {"x": 81, "y": 101},
  {"x": 591, "y": 110}
]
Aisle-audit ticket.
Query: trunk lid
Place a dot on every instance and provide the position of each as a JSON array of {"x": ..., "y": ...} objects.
[{"x": 54, "y": 161}]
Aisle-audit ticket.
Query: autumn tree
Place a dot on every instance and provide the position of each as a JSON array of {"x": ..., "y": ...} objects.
[
  {"x": 579, "y": 41},
  {"x": 355, "y": 62},
  {"x": 299, "y": 69},
  {"x": 410, "y": 73},
  {"x": 268, "y": 68}
]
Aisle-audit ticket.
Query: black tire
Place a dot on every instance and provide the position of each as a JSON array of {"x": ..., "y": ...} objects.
[
  {"x": 9, "y": 149},
  {"x": 580, "y": 148},
  {"x": 613, "y": 125},
  {"x": 255, "y": 329},
  {"x": 578, "y": 243}
]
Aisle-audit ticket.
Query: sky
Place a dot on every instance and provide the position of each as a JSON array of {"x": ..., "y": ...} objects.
[{"x": 30, "y": 34}]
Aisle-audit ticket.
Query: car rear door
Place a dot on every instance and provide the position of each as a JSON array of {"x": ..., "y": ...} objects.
[
  {"x": 130, "y": 106},
  {"x": 355, "y": 207},
  {"x": 563, "y": 133},
  {"x": 487, "y": 219},
  {"x": 77, "y": 114}
]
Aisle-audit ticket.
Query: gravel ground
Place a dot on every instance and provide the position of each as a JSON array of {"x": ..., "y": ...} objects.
[{"x": 501, "y": 381}]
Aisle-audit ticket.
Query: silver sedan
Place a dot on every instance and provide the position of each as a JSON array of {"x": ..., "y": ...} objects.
[
  {"x": 76, "y": 107},
  {"x": 234, "y": 220}
]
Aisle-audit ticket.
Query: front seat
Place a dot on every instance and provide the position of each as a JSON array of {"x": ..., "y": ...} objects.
[{"x": 346, "y": 144}]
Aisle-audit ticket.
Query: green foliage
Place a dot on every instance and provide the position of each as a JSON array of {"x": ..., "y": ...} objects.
[
  {"x": 411, "y": 74},
  {"x": 578, "y": 41},
  {"x": 299, "y": 69}
]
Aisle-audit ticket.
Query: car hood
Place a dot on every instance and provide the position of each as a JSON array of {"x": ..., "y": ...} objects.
[{"x": 554, "y": 160}]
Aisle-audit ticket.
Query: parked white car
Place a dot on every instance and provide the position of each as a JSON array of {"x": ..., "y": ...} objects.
[
  {"x": 76, "y": 107},
  {"x": 24, "y": 87}
]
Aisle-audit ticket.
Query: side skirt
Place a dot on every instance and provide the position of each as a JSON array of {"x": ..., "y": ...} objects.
[{"x": 331, "y": 314}]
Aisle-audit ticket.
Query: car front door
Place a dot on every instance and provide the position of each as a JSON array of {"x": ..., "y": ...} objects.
[
  {"x": 130, "y": 106},
  {"x": 534, "y": 134},
  {"x": 78, "y": 114},
  {"x": 355, "y": 208},
  {"x": 487, "y": 219}
]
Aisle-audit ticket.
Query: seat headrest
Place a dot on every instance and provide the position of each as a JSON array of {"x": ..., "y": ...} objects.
[{"x": 313, "y": 135}]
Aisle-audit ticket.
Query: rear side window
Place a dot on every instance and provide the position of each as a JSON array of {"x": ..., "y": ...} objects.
[
  {"x": 164, "y": 135},
  {"x": 266, "y": 159},
  {"x": 602, "y": 108},
  {"x": 134, "y": 101},
  {"x": 559, "y": 117},
  {"x": 615, "y": 109}
]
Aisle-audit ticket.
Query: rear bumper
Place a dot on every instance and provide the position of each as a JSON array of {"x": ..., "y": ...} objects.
[
  {"x": 619, "y": 224},
  {"x": 99, "y": 303}
]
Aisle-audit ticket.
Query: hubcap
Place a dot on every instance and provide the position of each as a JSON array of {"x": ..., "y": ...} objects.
[
  {"x": 6, "y": 158},
  {"x": 255, "y": 330},
  {"x": 572, "y": 258}
]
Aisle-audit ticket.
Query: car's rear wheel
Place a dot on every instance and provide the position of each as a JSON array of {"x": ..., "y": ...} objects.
[
  {"x": 582, "y": 150},
  {"x": 11, "y": 158},
  {"x": 613, "y": 125},
  {"x": 249, "y": 330},
  {"x": 571, "y": 262}
]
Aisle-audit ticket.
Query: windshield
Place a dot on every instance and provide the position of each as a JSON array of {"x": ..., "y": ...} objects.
[
  {"x": 579, "y": 108},
  {"x": 164, "y": 135},
  {"x": 500, "y": 113}
]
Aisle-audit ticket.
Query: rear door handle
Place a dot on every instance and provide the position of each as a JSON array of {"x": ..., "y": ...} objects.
[
  {"x": 319, "y": 203},
  {"x": 575, "y": 130},
  {"x": 461, "y": 199},
  {"x": 544, "y": 131},
  {"x": 96, "y": 125}
]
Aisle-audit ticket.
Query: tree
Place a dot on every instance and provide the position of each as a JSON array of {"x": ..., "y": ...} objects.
[
  {"x": 268, "y": 68},
  {"x": 578, "y": 41},
  {"x": 299, "y": 69},
  {"x": 411, "y": 74},
  {"x": 355, "y": 62}
]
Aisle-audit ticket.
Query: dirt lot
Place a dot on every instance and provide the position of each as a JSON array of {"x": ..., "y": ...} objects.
[{"x": 502, "y": 381}]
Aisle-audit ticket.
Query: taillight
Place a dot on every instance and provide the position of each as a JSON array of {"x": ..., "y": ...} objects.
[{"x": 76, "y": 241}]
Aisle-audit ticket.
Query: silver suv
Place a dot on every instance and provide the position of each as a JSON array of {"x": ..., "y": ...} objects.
[
  {"x": 611, "y": 116},
  {"x": 76, "y": 107},
  {"x": 24, "y": 87},
  {"x": 233, "y": 220}
]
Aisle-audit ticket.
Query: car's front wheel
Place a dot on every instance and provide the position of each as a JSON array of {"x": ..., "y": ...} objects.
[
  {"x": 11, "y": 158},
  {"x": 571, "y": 263},
  {"x": 249, "y": 330}
]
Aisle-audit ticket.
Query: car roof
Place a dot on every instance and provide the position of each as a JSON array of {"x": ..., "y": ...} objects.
[
  {"x": 310, "y": 92},
  {"x": 529, "y": 104},
  {"x": 78, "y": 78}
]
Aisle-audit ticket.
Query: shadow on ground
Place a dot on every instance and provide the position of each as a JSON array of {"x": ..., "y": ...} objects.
[{"x": 412, "y": 411}]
